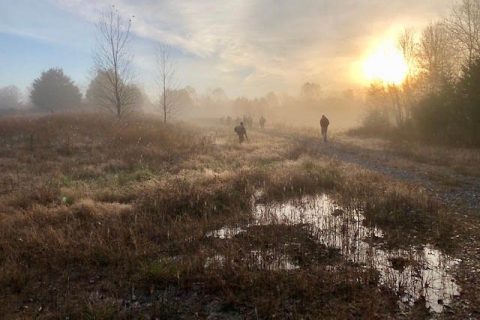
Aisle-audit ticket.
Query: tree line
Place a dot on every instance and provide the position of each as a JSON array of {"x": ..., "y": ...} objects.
[
  {"x": 439, "y": 100},
  {"x": 112, "y": 88}
]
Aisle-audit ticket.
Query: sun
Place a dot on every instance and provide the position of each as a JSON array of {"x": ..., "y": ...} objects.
[{"x": 385, "y": 63}]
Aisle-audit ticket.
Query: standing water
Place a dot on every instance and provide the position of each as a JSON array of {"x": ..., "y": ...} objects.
[{"x": 413, "y": 273}]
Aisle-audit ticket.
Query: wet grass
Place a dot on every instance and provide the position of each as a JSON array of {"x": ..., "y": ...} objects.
[
  {"x": 408, "y": 214},
  {"x": 270, "y": 288}
]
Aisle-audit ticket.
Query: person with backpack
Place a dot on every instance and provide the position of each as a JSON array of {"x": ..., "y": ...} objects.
[{"x": 241, "y": 132}]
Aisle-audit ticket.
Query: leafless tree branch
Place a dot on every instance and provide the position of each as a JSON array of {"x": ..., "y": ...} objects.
[{"x": 112, "y": 61}]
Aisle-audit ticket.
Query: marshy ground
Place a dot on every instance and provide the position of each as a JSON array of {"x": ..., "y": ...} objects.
[{"x": 138, "y": 220}]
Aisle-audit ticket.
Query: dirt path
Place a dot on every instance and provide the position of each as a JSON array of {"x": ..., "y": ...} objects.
[{"x": 458, "y": 191}]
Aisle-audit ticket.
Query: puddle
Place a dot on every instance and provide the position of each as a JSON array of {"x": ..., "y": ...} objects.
[
  {"x": 270, "y": 260},
  {"x": 257, "y": 259},
  {"x": 216, "y": 260},
  {"x": 225, "y": 233},
  {"x": 413, "y": 273}
]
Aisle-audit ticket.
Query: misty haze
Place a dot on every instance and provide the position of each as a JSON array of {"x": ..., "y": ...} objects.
[{"x": 240, "y": 159}]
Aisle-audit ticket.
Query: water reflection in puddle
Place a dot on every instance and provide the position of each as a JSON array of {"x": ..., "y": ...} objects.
[
  {"x": 225, "y": 232},
  {"x": 413, "y": 273},
  {"x": 257, "y": 259},
  {"x": 271, "y": 260}
]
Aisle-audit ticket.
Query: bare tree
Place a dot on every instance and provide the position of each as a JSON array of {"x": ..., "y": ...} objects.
[
  {"x": 408, "y": 96},
  {"x": 408, "y": 46},
  {"x": 378, "y": 101},
  {"x": 112, "y": 62},
  {"x": 436, "y": 56},
  {"x": 99, "y": 93},
  {"x": 166, "y": 82},
  {"x": 464, "y": 24}
]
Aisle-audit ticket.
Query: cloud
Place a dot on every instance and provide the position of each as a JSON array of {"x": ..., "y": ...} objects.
[{"x": 282, "y": 42}]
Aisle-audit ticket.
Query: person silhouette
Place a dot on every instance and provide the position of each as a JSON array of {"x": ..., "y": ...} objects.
[
  {"x": 241, "y": 132},
  {"x": 262, "y": 122},
  {"x": 324, "y": 123}
]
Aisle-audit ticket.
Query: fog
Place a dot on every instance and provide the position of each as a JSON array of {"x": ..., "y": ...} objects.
[
  {"x": 289, "y": 62},
  {"x": 346, "y": 109}
]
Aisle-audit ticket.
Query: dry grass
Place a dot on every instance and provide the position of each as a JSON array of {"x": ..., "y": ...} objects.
[
  {"x": 458, "y": 160},
  {"x": 461, "y": 160},
  {"x": 408, "y": 214},
  {"x": 94, "y": 212}
]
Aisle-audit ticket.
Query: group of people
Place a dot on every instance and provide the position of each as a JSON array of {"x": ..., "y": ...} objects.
[
  {"x": 247, "y": 121},
  {"x": 241, "y": 131}
]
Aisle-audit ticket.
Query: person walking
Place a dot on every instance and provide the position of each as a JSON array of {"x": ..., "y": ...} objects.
[
  {"x": 262, "y": 122},
  {"x": 324, "y": 123},
  {"x": 241, "y": 132}
]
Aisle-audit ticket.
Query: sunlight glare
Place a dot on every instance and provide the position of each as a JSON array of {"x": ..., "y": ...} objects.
[{"x": 386, "y": 64}]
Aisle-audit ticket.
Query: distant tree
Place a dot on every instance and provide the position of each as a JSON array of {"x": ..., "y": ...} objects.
[
  {"x": 140, "y": 98},
  {"x": 311, "y": 91},
  {"x": 469, "y": 89},
  {"x": 96, "y": 95},
  {"x": 242, "y": 106},
  {"x": 408, "y": 45},
  {"x": 112, "y": 63},
  {"x": 184, "y": 99},
  {"x": 166, "y": 81},
  {"x": 436, "y": 56},
  {"x": 9, "y": 98},
  {"x": 469, "y": 84},
  {"x": 464, "y": 25},
  {"x": 272, "y": 99},
  {"x": 438, "y": 117},
  {"x": 191, "y": 92},
  {"x": 385, "y": 105},
  {"x": 54, "y": 91},
  {"x": 100, "y": 95},
  {"x": 377, "y": 96},
  {"x": 411, "y": 89}
]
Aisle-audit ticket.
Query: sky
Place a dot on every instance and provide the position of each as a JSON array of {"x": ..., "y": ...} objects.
[{"x": 246, "y": 47}]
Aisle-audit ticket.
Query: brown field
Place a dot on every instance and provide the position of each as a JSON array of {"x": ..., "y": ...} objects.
[{"x": 101, "y": 219}]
